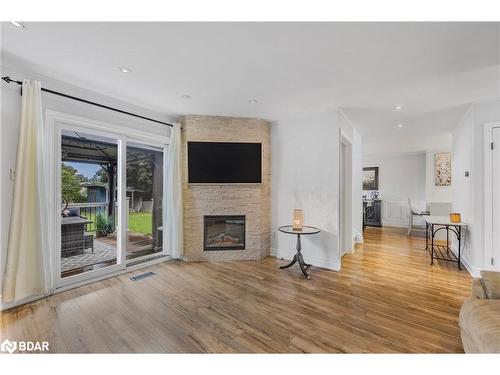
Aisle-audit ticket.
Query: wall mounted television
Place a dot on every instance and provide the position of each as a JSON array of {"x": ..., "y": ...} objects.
[{"x": 224, "y": 162}]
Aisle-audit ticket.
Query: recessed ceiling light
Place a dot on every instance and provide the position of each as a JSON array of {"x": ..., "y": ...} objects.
[
  {"x": 186, "y": 96},
  {"x": 400, "y": 126},
  {"x": 17, "y": 24},
  {"x": 124, "y": 69},
  {"x": 253, "y": 101},
  {"x": 398, "y": 108}
]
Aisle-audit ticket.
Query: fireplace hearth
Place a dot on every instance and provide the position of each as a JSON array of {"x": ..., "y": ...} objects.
[{"x": 224, "y": 232}]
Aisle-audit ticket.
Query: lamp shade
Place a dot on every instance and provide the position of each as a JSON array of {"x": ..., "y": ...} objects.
[{"x": 298, "y": 219}]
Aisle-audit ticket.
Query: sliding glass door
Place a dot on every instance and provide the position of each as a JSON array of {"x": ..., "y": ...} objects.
[
  {"x": 109, "y": 194},
  {"x": 144, "y": 193},
  {"x": 90, "y": 195}
]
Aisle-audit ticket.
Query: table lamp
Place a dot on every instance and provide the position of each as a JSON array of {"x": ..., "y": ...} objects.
[{"x": 298, "y": 219}]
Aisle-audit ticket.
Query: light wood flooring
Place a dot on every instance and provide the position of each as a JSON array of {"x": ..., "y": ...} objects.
[{"x": 387, "y": 298}]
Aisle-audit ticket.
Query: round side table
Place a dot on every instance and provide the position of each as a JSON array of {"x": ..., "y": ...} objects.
[{"x": 288, "y": 229}]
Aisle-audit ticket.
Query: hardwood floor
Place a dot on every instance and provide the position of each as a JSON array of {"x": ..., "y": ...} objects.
[{"x": 387, "y": 298}]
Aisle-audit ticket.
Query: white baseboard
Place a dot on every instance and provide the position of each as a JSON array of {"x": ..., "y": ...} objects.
[
  {"x": 329, "y": 264},
  {"x": 358, "y": 237},
  {"x": 473, "y": 270},
  {"x": 325, "y": 263}
]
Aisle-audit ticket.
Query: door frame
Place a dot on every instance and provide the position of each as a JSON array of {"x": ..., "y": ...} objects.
[
  {"x": 121, "y": 141},
  {"x": 345, "y": 227},
  {"x": 164, "y": 147},
  {"x": 488, "y": 197},
  {"x": 53, "y": 124}
]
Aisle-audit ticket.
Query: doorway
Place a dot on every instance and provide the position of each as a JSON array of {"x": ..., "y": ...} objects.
[{"x": 345, "y": 197}]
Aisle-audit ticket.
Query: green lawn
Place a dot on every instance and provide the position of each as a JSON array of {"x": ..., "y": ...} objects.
[{"x": 140, "y": 222}]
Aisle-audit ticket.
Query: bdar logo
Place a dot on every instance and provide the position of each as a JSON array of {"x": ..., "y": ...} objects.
[
  {"x": 8, "y": 346},
  {"x": 24, "y": 346}
]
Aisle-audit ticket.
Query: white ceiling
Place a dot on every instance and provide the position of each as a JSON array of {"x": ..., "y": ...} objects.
[{"x": 293, "y": 69}]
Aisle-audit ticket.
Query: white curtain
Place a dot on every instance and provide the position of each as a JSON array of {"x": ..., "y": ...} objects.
[
  {"x": 174, "y": 195},
  {"x": 27, "y": 270}
]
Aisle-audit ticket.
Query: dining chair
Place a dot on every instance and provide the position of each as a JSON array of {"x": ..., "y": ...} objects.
[
  {"x": 414, "y": 212},
  {"x": 440, "y": 209}
]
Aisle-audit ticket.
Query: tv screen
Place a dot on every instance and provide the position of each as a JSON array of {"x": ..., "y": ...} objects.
[{"x": 224, "y": 162}]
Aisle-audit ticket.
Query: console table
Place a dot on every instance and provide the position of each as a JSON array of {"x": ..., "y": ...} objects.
[
  {"x": 306, "y": 230},
  {"x": 372, "y": 209},
  {"x": 441, "y": 252}
]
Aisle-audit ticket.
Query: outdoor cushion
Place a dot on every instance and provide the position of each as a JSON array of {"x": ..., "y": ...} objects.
[{"x": 74, "y": 211}]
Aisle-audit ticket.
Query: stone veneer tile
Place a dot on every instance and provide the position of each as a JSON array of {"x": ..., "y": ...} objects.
[{"x": 251, "y": 200}]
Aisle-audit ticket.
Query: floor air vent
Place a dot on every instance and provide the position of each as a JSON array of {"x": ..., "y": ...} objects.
[{"x": 142, "y": 276}]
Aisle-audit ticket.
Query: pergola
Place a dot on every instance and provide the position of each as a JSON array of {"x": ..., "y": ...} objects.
[{"x": 77, "y": 148}]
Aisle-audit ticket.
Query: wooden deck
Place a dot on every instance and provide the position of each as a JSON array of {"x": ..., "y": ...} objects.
[{"x": 387, "y": 298}]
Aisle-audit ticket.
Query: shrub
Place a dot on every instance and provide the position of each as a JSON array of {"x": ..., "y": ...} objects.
[{"x": 102, "y": 225}]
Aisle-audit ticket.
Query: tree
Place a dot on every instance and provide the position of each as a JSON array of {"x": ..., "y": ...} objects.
[
  {"x": 140, "y": 176},
  {"x": 140, "y": 171},
  {"x": 70, "y": 184},
  {"x": 100, "y": 177}
]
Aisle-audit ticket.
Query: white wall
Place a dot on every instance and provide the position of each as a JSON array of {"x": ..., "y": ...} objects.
[
  {"x": 462, "y": 187},
  {"x": 401, "y": 177},
  {"x": 10, "y": 117},
  {"x": 305, "y": 174},
  {"x": 435, "y": 193},
  {"x": 468, "y": 192}
]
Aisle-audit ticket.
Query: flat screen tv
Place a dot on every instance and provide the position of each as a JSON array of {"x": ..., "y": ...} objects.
[{"x": 224, "y": 162}]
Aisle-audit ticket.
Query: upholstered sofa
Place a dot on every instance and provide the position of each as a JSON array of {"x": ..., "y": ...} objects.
[{"x": 479, "y": 319}]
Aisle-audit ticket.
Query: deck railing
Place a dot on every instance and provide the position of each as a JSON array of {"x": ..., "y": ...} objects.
[{"x": 91, "y": 210}]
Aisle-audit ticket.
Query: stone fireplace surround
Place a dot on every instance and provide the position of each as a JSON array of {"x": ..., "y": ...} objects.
[{"x": 250, "y": 200}]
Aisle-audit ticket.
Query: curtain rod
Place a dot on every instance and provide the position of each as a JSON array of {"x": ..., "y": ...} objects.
[{"x": 10, "y": 80}]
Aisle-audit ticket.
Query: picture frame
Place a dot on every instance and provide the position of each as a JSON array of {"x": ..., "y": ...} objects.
[
  {"x": 442, "y": 169},
  {"x": 370, "y": 178}
]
